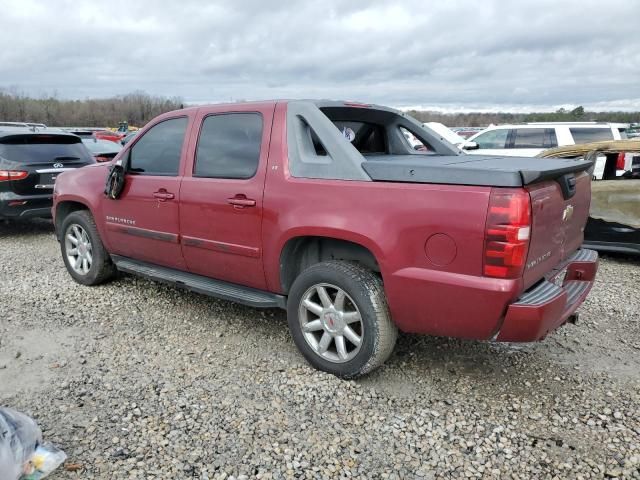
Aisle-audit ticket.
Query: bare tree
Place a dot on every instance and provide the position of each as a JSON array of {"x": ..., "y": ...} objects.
[{"x": 136, "y": 108}]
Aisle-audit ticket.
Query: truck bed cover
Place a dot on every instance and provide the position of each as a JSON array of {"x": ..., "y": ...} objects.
[{"x": 492, "y": 171}]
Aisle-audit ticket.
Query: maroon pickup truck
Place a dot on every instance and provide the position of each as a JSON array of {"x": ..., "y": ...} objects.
[{"x": 327, "y": 210}]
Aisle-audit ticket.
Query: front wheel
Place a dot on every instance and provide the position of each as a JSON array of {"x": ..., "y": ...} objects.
[
  {"x": 83, "y": 253},
  {"x": 339, "y": 318}
]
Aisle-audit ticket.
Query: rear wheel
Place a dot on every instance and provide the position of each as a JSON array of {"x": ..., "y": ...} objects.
[
  {"x": 339, "y": 318},
  {"x": 83, "y": 253}
]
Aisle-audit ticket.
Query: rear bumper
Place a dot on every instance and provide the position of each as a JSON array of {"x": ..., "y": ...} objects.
[
  {"x": 25, "y": 206},
  {"x": 547, "y": 305}
]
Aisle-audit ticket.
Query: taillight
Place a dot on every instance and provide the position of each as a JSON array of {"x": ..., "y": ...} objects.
[
  {"x": 6, "y": 175},
  {"x": 507, "y": 233},
  {"x": 620, "y": 163},
  {"x": 100, "y": 158}
]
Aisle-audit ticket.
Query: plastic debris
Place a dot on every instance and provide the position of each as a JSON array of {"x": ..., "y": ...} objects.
[{"x": 23, "y": 455}]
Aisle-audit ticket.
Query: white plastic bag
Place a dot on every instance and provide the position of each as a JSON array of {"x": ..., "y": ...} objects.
[
  {"x": 23, "y": 456},
  {"x": 19, "y": 437}
]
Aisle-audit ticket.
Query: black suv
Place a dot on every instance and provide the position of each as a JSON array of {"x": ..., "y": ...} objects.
[{"x": 30, "y": 161}]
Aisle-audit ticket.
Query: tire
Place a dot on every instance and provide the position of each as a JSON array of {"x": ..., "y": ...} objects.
[
  {"x": 98, "y": 267},
  {"x": 313, "y": 315}
]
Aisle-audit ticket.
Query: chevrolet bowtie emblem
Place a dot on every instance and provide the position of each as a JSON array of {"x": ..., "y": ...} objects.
[{"x": 567, "y": 213}]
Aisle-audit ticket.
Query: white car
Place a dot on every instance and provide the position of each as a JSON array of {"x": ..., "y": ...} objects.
[{"x": 529, "y": 139}]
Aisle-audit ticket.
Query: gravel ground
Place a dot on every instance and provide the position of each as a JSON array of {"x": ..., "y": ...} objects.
[{"x": 138, "y": 380}]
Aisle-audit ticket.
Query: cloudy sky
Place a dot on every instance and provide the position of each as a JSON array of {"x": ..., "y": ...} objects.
[{"x": 454, "y": 55}]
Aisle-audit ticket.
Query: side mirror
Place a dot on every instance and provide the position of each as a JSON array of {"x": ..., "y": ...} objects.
[{"x": 470, "y": 146}]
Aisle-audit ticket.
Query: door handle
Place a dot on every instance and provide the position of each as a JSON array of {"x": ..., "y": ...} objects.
[
  {"x": 241, "y": 201},
  {"x": 162, "y": 195}
]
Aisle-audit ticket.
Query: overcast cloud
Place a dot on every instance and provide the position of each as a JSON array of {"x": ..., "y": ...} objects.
[{"x": 456, "y": 55}]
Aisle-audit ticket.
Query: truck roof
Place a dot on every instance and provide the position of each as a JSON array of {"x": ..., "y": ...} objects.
[{"x": 321, "y": 103}]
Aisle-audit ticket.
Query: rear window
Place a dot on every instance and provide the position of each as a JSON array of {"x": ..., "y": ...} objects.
[
  {"x": 368, "y": 138},
  {"x": 34, "y": 149},
  {"x": 587, "y": 135},
  {"x": 534, "y": 138}
]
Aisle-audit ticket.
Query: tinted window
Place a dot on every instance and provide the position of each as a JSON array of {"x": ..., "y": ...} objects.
[
  {"x": 229, "y": 146},
  {"x": 492, "y": 138},
  {"x": 158, "y": 150},
  {"x": 535, "y": 138},
  {"x": 30, "y": 149},
  {"x": 586, "y": 135}
]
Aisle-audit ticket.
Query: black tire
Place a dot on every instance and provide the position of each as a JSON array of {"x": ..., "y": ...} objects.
[
  {"x": 366, "y": 293},
  {"x": 102, "y": 268}
]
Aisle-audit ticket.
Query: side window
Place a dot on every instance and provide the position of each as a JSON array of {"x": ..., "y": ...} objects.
[
  {"x": 493, "y": 138},
  {"x": 587, "y": 135},
  {"x": 229, "y": 146},
  {"x": 535, "y": 138},
  {"x": 158, "y": 150}
]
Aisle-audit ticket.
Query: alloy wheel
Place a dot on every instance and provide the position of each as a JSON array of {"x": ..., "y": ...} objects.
[
  {"x": 331, "y": 323},
  {"x": 78, "y": 249}
]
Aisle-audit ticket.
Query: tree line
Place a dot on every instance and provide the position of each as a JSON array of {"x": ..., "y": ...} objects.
[
  {"x": 137, "y": 108},
  {"x": 578, "y": 114}
]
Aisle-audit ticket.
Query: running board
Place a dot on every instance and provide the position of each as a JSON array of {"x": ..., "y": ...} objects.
[{"x": 200, "y": 284}]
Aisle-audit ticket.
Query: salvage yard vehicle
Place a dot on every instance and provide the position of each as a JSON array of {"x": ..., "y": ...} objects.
[
  {"x": 326, "y": 210},
  {"x": 29, "y": 164},
  {"x": 614, "y": 217},
  {"x": 530, "y": 139},
  {"x": 109, "y": 135}
]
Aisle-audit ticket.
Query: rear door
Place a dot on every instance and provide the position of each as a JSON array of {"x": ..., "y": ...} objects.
[
  {"x": 222, "y": 194},
  {"x": 528, "y": 142},
  {"x": 143, "y": 222}
]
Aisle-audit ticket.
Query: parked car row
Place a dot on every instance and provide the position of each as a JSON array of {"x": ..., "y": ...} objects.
[{"x": 528, "y": 140}]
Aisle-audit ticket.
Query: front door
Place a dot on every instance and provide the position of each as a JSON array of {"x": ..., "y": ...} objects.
[
  {"x": 222, "y": 193},
  {"x": 143, "y": 222}
]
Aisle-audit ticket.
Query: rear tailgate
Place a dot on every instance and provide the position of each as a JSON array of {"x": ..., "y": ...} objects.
[
  {"x": 558, "y": 221},
  {"x": 44, "y": 157}
]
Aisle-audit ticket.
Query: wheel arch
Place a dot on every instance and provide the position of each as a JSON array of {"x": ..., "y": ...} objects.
[
  {"x": 300, "y": 252},
  {"x": 63, "y": 209}
]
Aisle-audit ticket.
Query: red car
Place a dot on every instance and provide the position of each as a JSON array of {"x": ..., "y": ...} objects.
[
  {"x": 326, "y": 210},
  {"x": 109, "y": 135}
]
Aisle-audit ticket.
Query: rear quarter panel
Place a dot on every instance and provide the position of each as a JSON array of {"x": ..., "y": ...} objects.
[{"x": 394, "y": 221}]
